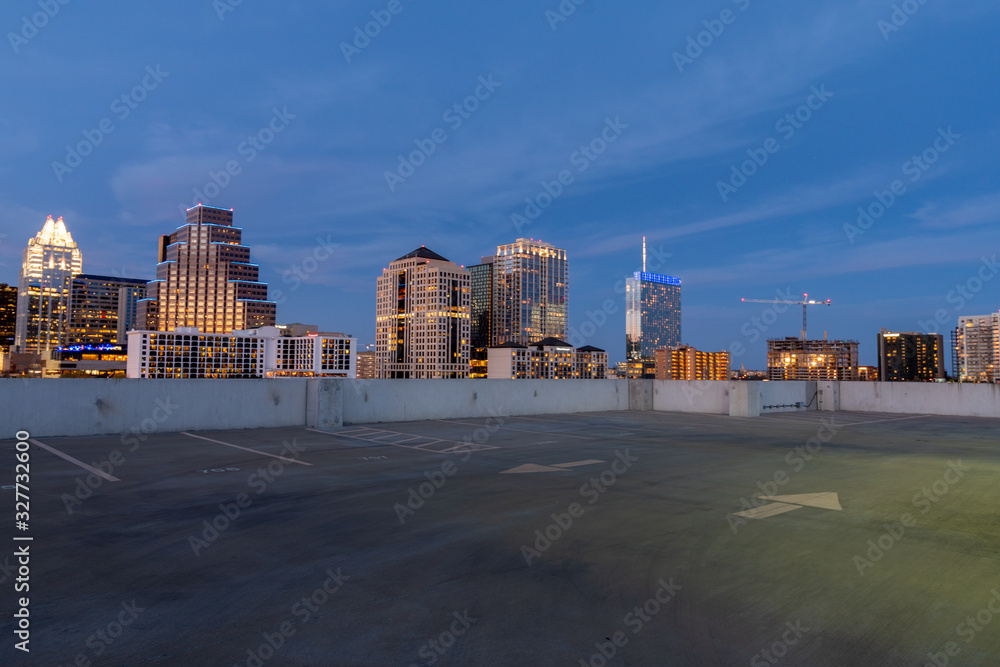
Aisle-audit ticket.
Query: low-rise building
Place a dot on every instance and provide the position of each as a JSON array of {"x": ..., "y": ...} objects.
[
  {"x": 797, "y": 359},
  {"x": 548, "y": 359},
  {"x": 683, "y": 362},
  {"x": 185, "y": 353}
]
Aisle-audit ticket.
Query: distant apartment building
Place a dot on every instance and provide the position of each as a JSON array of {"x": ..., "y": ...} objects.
[
  {"x": 422, "y": 316},
  {"x": 367, "y": 365},
  {"x": 977, "y": 348},
  {"x": 50, "y": 260},
  {"x": 684, "y": 362},
  {"x": 530, "y": 292},
  {"x": 204, "y": 279},
  {"x": 265, "y": 352},
  {"x": 102, "y": 309},
  {"x": 797, "y": 359},
  {"x": 652, "y": 314},
  {"x": 8, "y": 315},
  {"x": 910, "y": 356},
  {"x": 548, "y": 359}
]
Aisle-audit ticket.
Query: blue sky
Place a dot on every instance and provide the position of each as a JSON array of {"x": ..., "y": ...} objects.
[{"x": 889, "y": 91}]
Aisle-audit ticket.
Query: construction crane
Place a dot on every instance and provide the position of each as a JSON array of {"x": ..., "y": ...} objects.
[{"x": 805, "y": 303}]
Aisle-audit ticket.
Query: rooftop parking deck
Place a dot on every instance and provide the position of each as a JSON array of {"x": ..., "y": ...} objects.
[{"x": 540, "y": 540}]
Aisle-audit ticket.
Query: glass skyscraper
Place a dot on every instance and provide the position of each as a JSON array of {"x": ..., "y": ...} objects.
[
  {"x": 530, "y": 293},
  {"x": 652, "y": 314},
  {"x": 102, "y": 309},
  {"x": 204, "y": 279},
  {"x": 50, "y": 260}
]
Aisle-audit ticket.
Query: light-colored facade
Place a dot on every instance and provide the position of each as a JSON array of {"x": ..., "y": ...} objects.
[
  {"x": 204, "y": 279},
  {"x": 367, "y": 365},
  {"x": 549, "y": 359},
  {"x": 530, "y": 281},
  {"x": 684, "y": 362},
  {"x": 49, "y": 261},
  {"x": 422, "y": 316},
  {"x": 797, "y": 359},
  {"x": 978, "y": 348},
  {"x": 264, "y": 352}
]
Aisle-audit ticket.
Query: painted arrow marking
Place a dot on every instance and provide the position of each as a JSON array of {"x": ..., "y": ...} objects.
[
  {"x": 534, "y": 467},
  {"x": 782, "y": 504}
]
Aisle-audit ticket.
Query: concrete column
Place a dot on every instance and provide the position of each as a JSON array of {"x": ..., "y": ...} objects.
[
  {"x": 325, "y": 403},
  {"x": 829, "y": 397},
  {"x": 744, "y": 398},
  {"x": 640, "y": 395}
]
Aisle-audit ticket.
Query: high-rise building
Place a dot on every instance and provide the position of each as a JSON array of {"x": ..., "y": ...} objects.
[
  {"x": 49, "y": 261},
  {"x": 481, "y": 316},
  {"x": 102, "y": 309},
  {"x": 652, "y": 312},
  {"x": 797, "y": 359},
  {"x": 978, "y": 348},
  {"x": 422, "y": 318},
  {"x": 530, "y": 284},
  {"x": 684, "y": 362},
  {"x": 367, "y": 365},
  {"x": 8, "y": 315},
  {"x": 910, "y": 357},
  {"x": 204, "y": 279}
]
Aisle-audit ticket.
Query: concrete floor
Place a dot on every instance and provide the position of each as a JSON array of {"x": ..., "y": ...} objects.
[{"x": 343, "y": 562}]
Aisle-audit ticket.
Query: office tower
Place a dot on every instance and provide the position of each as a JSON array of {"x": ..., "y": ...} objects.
[
  {"x": 204, "y": 279},
  {"x": 367, "y": 364},
  {"x": 49, "y": 261},
  {"x": 422, "y": 318},
  {"x": 102, "y": 309},
  {"x": 548, "y": 359},
  {"x": 684, "y": 362},
  {"x": 8, "y": 312},
  {"x": 910, "y": 357},
  {"x": 530, "y": 292},
  {"x": 264, "y": 352},
  {"x": 978, "y": 348},
  {"x": 652, "y": 312},
  {"x": 481, "y": 316},
  {"x": 797, "y": 359}
]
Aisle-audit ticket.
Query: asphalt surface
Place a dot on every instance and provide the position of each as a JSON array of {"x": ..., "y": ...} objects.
[{"x": 404, "y": 544}]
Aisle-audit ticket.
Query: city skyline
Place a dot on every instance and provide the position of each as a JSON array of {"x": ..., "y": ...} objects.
[{"x": 642, "y": 139}]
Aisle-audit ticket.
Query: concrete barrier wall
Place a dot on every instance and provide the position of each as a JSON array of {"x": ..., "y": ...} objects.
[
  {"x": 969, "y": 400},
  {"x": 82, "y": 406},
  {"x": 374, "y": 401},
  {"x": 678, "y": 396},
  {"x": 74, "y": 407}
]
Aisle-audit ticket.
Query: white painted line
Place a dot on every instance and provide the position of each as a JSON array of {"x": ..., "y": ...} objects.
[
  {"x": 52, "y": 450},
  {"x": 524, "y": 430},
  {"x": 879, "y": 421},
  {"x": 246, "y": 449},
  {"x": 574, "y": 464},
  {"x": 420, "y": 448},
  {"x": 827, "y": 501},
  {"x": 768, "y": 510}
]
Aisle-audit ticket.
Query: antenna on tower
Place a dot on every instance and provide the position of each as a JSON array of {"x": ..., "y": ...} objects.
[{"x": 643, "y": 254}]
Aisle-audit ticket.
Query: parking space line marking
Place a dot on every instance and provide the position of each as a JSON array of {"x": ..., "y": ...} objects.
[
  {"x": 523, "y": 430},
  {"x": 52, "y": 450},
  {"x": 423, "y": 447},
  {"x": 246, "y": 449},
  {"x": 879, "y": 421},
  {"x": 765, "y": 511}
]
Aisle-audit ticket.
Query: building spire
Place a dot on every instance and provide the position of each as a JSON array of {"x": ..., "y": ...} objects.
[{"x": 643, "y": 254}]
